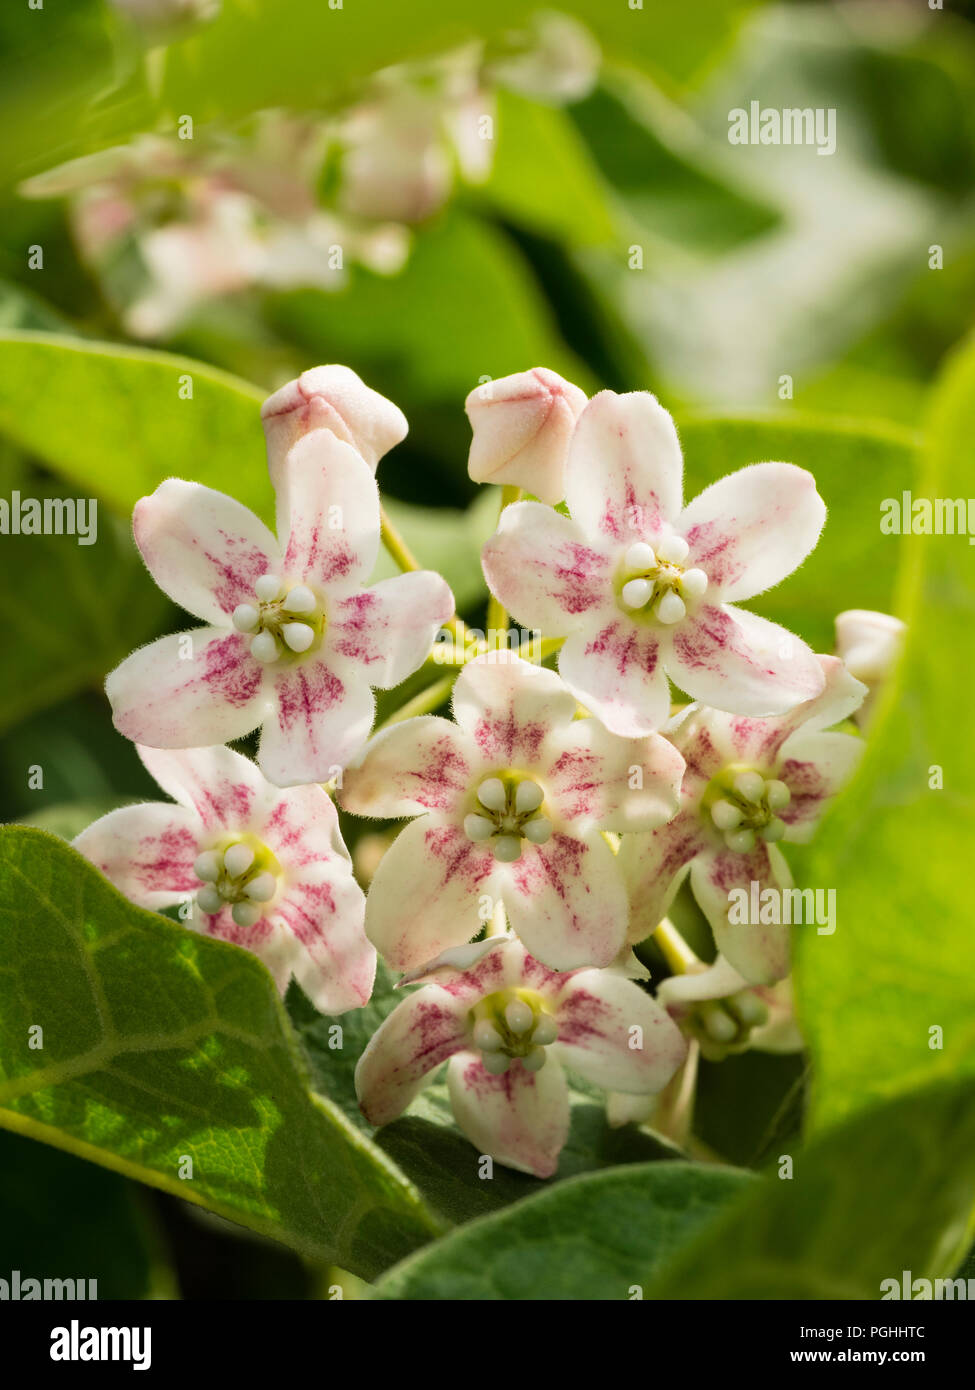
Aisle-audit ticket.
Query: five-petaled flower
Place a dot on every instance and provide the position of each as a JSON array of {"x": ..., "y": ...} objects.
[
  {"x": 717, "y": 1006},
  {"x": 640, "y": 587},
  {"x": 512, "y": 800},
  {"x": 259, "y": 866},
  {"x": 508, "y": 1026},
  {"x": 748, "y": 784},
  {"x": 295, "y": 641}
]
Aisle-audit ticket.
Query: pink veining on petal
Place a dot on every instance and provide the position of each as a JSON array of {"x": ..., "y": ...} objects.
[
  {"x": 433, "y": 1032},
  {"x": 319, "y": 554},
  {"x": 581, "y": 1018},
  {"x": 550, "y": 866},
  {"x": 304, "y": 693},
  {"x": 809, "y": 789},
  {"x": 458, "y": 857},
  {"x": 581, "y": 581},
  {"x": 360, "y": 628},
  {"x": 223, "y": 926},
  {"x": 164, "y": 863},
  {"x": 577, "y": 774},
  {"x": 306, "y": 909},
  {"x": 442, "y": 778},
  {"x": 625, "y": 645},
  {"x": 713, "y": 549},
  {"x": 501, "y": 737},
  {"x": 230, "y": 671},
  {"x": 239, "y": 566}
]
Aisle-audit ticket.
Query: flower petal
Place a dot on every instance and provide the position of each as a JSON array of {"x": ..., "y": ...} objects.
[
  {"x": 204, "y": 549},
  {"x": 623, "y": 476},
  {"x": 653, "y": 868},
  {"x": 418, "y": 765},
  {"x": 814, "y": 767},
  {"x": 328, "y": 513},
  {"x": 509, "y": 706},
  {"x": 421, "y": 1033},
  {"x": 540, "y": 566},
  {"x": 703, "y": 733},
  {"x": 566, "y": 901},
  {"x": 613, "y": 1034},
  {"x": 617, "y": 673},
  {"x": 425, "y": 895},
  {"x": 591, "y": 782},
  {"x": 147, "y": 851},
  {"x": 226, "y": 790},
  {"x": 521, "y": 1118},
  {"x": 522, "y": 425},
  {"x": 759, "y": 951},
  {"x": 190, "y": 689},
  {"x": 388, "y": 630},
  {"x": 323, "y": 911},
  {"x": 484, "y": 967},
  {"x": 750, "y": 529},
  {"x": 735, "y": 660},
  {"x": 321, "y": 720},
  {"x": 330, "y": 397}
]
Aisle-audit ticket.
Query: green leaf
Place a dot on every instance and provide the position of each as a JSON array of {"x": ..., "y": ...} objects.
[
  {"x": 891, "y": 1190},
  {"x": 113, "y": 422},
  {"x": 668, "y": 176},
  {"x": 464, "y": 307},
  {"x": 856, "y": 465},
  {"x": 161, "y": 1045},
  {"x": 426, "y": 1144},
  {"x": 544, "y": 176},
  {"x": 65, "y": 1219},
  {"x": 900, "y": 963},
  {"x": 594, "y": 1237},
  {"x": 89, "y": 605}
]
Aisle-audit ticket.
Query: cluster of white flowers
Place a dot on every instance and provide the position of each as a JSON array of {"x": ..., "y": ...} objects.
[
  {"x": 291, "y": 200},
  {"x": 554, "y": 817}
]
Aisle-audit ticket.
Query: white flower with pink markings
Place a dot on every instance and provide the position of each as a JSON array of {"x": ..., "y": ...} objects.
[
  {"x": 262, "y": 867},
  {"x": 508, "y": 1026},
  {"x": 749, "y": 784},
  {"x": 642, "y": 587},
  {"x": 511, "y": 801},
  {"x": 295, "y": 640}
]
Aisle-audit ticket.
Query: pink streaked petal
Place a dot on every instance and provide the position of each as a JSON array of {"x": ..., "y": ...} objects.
[
  {"x": 226, "y": 790},
  {"x": 421, "y": 1033},
  {"x": 616, "y": 672},
  {"x": 521, "y": 1118},
  {"x": 418, "y": 765},
  {"x": 498, "y": 962},
  {"x": 322, "y": 909},
  {"x": 758, "y": 741},
  {"x": 320, "y": 722},
  {"x": 699, "y": 733},
  {"x": 189, "y": 690},
  {"x": 426, "y": 893},
  {"x": 204, "y": 549},
  {"x": 600, "y": 779},
  {"x": 509, "y": 707},
  {"x": 147, "y": 851},
  {"x": 388, "y": 630},
  {"x": 598, "y": 1016},
  {"x": 539, "y": 564},
  {"x": 749, "y": 530},
  {"x": 566, "y": 901},
  {"x": 653, "y": 868},
  {"x": 328, "y": 513},
  {"x": 300, "y": 825},
  {"x": 814, "y": 767},
  {"x": 623, "y": 477},
  {"x": 734, "y": 660},
  {"x": 760, "y": 952}
]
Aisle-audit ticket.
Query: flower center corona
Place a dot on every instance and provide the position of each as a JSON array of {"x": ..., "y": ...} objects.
[
  {"x": 654, "y": 582},
  {"x": 741, "y": 805},
  {"x": 238, "y": 876},
  {"x": 508, "y": 811},
  {"x": 282, "y": 620},
  {"x": 509, "y": 1026}
]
